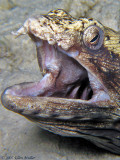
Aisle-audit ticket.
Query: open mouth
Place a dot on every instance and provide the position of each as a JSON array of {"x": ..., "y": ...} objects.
[
  {"x": 72, "y": 98},
  {"x": 63, "y": 77}
]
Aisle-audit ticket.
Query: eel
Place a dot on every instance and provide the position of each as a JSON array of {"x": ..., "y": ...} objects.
[{"x": 79, "y": 94}]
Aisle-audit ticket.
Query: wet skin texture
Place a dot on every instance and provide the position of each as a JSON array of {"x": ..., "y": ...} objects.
[{"x": 79, "y": 94}]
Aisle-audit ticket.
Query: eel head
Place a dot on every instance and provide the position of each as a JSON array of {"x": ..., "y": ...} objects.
[{"x": 80, "y": 62}]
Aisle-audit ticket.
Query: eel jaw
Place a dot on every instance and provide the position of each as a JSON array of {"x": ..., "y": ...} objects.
[{"x": 63, "y": 77}]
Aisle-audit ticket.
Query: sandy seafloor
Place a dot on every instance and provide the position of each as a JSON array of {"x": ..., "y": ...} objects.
[{"x": 20, "y": 138}]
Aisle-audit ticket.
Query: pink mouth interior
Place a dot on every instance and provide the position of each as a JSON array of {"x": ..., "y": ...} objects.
[{"x": 63, "y": 76}]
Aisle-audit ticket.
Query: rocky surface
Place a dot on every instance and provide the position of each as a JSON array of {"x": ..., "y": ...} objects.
[{"x": 19, "y": 138}]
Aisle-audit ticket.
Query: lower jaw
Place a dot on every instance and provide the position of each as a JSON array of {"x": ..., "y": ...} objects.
[
  {"x": 62, "y": 108},
  {"x": 93, "y": 121}
]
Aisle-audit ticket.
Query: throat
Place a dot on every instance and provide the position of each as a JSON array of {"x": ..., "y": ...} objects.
[{"x": 65, "y": 77}]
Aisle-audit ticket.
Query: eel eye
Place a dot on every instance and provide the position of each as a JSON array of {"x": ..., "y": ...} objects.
[{"x": 93, "y": 37}]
